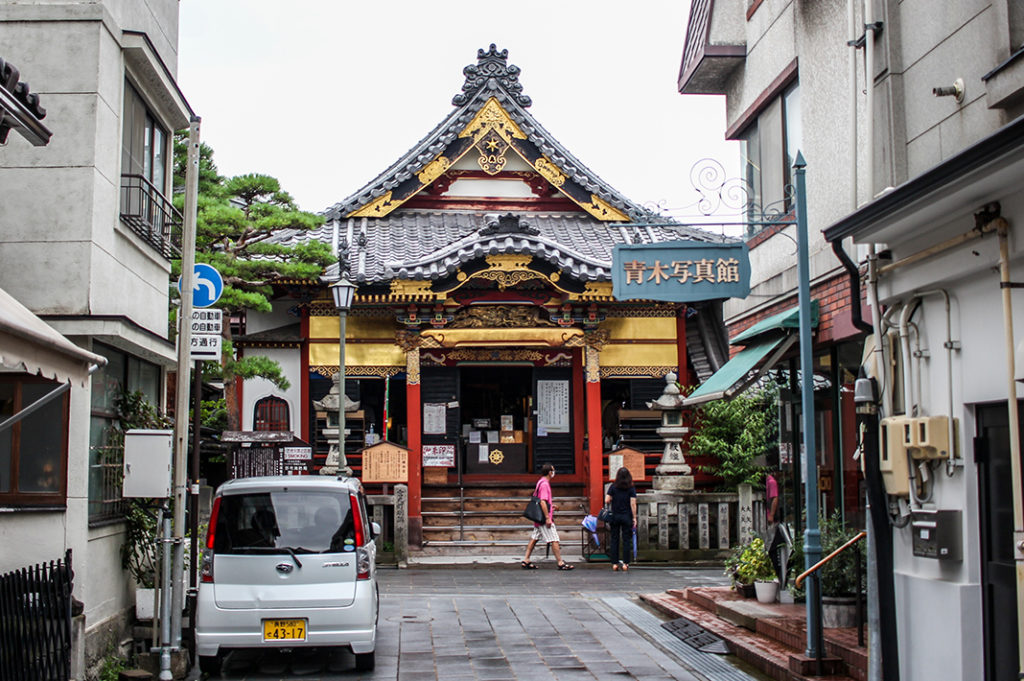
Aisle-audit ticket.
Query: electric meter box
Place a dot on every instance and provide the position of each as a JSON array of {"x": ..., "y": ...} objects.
[
  {"x": 930, "y": 437},
  {"x": 892, "y": 459},
  {"x": 937, "y": 534},
  {"x": 147, "y": 463}
]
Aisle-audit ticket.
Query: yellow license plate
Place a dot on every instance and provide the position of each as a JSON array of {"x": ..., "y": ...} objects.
[{"x": 284, "y": 630}]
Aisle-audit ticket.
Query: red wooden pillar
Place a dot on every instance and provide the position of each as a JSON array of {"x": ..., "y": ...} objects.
[
  {"x": 579, "y": 414},
  {"x": 684, "y": 368},
  {"x": 304, "y": 376},
  {"x": 414, "y": 413},
  {"x": 595, "y": 453}
]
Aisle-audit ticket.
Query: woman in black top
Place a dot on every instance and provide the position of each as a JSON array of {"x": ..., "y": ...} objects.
[{"x": 621, "y": 497}]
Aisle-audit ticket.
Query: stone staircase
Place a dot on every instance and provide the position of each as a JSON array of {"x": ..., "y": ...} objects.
[
  {"x": 488, "y": 520},
  {"x": 771, "y": 637}
]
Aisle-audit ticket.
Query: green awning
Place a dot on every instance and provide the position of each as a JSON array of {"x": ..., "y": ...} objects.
[
  {"x": 787, "y": 319},
  {"x": 744, "y": 368}
]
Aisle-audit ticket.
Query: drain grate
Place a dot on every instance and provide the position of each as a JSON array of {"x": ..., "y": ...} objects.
[{"x": 696, "y": 636}]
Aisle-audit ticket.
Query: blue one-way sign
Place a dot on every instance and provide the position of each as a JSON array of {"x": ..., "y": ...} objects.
[{"x": 206, "y": 287}]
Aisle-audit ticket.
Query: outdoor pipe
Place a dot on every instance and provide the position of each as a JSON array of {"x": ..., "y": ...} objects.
[{"x": 854, "y": 275}]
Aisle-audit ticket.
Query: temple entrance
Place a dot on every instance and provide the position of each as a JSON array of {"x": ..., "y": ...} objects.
[{"x": 496, "y": 403}]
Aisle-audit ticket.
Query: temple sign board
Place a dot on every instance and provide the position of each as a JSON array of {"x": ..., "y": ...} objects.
[
  {"x": 385, "y": 462},
  {"x": 680, "y": 271}
]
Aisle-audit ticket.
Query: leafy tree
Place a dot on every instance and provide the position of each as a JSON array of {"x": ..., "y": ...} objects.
[
  {"x": 735, "y": 432},
  {"x": 236, "y": 218}
]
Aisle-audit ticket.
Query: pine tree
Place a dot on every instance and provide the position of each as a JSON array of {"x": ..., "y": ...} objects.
[{"x": 236, "y": 218}]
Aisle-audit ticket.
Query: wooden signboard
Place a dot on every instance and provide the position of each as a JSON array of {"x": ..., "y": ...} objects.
[
  {"x": 385, "y": 462},
  {"x": 631, "y": 459}
]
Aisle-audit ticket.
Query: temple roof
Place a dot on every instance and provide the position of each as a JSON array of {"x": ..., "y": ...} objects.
[
  {"x": 393, "y": 229},
  {"x": 492, "y": 77}
]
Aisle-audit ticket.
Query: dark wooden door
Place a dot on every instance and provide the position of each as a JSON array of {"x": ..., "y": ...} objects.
[{"x": 995, "y": 496}]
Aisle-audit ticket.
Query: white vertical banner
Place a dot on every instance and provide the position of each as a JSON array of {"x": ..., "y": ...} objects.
[{"x": 553, "y": 406}]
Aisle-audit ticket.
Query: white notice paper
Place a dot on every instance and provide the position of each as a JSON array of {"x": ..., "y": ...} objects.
[
  {"x": 434, "y": 419},
  {"x": 474, "y": 436},
  {"x": 484, "y": 453},
  {"x": 553, "y": 406}
]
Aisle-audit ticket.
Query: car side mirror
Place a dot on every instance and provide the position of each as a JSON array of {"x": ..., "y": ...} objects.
[{"x": 374, "y": 530}]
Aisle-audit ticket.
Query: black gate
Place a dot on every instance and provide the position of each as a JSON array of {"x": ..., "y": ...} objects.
[{"x": 35, "y": 622}]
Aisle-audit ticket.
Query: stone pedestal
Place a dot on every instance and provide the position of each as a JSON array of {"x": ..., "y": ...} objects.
[{"x": 672, "y": 483}]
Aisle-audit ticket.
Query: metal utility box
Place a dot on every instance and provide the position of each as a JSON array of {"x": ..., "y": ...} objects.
[
  {"x": 147, "y": 463},
  {"x": 937, "y": 534},
  {"x": 930, "y": 437}
]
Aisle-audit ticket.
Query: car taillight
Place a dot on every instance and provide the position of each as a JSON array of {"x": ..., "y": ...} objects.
[
  {"x": 206, "y": 567},
  {"x": 362, "y": 555}
]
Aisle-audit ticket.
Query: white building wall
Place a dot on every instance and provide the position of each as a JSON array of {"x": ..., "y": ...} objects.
[{"x": 256, "y": 389}]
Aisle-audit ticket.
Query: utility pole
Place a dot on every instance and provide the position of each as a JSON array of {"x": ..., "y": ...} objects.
[{"x": 180, "y": 487}]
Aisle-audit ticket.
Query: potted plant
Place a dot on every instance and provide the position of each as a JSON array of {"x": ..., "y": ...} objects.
[
  {"x": 751, "y": 567},
  {"x": 839, "y": 576}
]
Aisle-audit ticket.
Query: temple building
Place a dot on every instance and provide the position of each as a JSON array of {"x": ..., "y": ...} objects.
[{"x": 483, "y": 337}]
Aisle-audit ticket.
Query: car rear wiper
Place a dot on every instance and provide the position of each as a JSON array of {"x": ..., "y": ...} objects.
[{"x": 273, "y": 549}]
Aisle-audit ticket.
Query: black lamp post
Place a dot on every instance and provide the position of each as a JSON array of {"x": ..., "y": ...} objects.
[{"x": 343, "y": 292}]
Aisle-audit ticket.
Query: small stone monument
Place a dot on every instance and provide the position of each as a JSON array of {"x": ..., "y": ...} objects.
[
  {"x": 673, "y": 473},
  {"x": 336, "y": 461}
]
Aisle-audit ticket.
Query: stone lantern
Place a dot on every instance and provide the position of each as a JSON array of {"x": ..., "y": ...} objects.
[
  {"x": 336, "y": 461},
  {"x": 673, "y": 473}
]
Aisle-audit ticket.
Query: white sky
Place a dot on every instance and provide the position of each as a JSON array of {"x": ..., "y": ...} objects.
[{"x": 325, "y": 94}]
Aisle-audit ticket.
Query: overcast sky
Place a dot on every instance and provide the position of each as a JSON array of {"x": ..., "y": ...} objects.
[{"x": 326, "y": 94}]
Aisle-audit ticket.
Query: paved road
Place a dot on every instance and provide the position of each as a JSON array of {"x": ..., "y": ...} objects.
[{"x": 499, "y": 623}]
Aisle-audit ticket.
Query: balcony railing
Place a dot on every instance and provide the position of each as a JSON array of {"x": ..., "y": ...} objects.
[{"x": 150, "y": 215}]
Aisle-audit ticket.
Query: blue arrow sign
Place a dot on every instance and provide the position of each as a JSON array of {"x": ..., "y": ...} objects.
[{"x": 206, "y": 286}]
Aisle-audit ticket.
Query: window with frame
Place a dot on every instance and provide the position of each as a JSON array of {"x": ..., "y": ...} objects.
[
  {"x": 144, "y": 142},
  {"x": 769, "y": 147},
  {"x": 271, "y": 414},
  {"x": 123, "y": 373},
  {"x": 34, "y": 451}
]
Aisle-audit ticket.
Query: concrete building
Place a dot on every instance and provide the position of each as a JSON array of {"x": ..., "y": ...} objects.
[
  {"x": 87, "y": 233},
  {"x": 909, "y": 121}
]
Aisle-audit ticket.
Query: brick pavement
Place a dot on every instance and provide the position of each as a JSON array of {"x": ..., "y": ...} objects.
[{"x": 498, "y": 623}]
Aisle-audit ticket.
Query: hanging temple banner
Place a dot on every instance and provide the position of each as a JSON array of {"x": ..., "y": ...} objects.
[{"x": 680, "y": 271}]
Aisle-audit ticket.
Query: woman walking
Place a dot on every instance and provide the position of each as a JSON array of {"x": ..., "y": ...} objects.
[
  {"x": 545, "y": 531},
  {"x": 621, "y": 497}
]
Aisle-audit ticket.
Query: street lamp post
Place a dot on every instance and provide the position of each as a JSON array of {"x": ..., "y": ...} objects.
[{"x": 343, "y": 292}]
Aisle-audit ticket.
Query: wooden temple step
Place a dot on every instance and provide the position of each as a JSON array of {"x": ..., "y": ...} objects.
[{"x": 497, "y": 504}]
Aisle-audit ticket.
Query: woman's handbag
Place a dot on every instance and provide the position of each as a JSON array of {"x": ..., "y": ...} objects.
[
  {"x": 605, "y": 515},
  {"x": 534, "y": 511}
]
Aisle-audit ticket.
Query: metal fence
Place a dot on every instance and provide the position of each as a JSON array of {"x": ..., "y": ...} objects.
[
  {"x": 151, "y": 215},
  {"x": 35, "y": 622}
]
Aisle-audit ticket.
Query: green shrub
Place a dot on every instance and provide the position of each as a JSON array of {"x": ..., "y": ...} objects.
[
  {"x": 735, "y": 432},
  {"x": 750, "y": 563}
]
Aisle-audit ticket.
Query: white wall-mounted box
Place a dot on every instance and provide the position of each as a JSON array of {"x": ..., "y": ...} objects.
[{"x": 147, "y": 463}]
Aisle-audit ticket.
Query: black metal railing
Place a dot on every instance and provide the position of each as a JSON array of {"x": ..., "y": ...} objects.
[
  {"x": 35, "y": 622},
  {"x": 150, "y": 215}
]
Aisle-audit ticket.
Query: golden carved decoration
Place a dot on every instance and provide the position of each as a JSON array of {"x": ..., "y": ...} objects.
[
  {"x": 522, "y": 337},
  {"x": 506, "y": 279},
  {"x": 377, "y": 208},
  {"x": 649, "y": 371},
  {"x": 412, "y": 367},
  {"x": 358, "y": 372},
  {"x": 496, "y": 457},
  {"x": 499, "y": 317},
  {"x": 596, "y": 339},
  {"x": 407, "y": 340},
  {"x": 593, "y": 366},
  {"x": 642, "y": 311},
  {"x": 479, "y": 355},
  {"x": 509, "y": 262},
  {"x": 434, "y": 169},
  {"x": 429, "y": 342},
  {"x": 602, "y": 210},
  {"x": 410, "y": 287},
  {"x": 549, "y": 171},
  {"x": 595, "y": 290},
  {"x": 492, "y": 116},
  {"x": 575, "y": 342}
]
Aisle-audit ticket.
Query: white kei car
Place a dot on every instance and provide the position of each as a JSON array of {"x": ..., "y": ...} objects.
[{"x": 289, "y": 562}]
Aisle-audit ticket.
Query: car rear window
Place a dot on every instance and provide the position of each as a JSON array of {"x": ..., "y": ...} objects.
[{"x": 304, "y": 522}]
